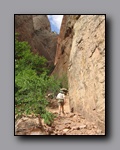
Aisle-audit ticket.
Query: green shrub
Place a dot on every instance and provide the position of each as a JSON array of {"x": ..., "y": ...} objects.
[
  {"x": 48, "y": 117},
  {"x": 32, "y": 82}
]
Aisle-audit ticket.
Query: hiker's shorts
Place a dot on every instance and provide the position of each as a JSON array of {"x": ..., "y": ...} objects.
[{"x": 60, "y": 102}]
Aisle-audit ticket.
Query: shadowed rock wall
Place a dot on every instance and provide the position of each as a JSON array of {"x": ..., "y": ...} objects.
[{"x": 35, "y": 29}]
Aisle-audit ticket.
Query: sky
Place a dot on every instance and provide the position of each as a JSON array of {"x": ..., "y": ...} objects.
[{"x": 55, "y": 22}]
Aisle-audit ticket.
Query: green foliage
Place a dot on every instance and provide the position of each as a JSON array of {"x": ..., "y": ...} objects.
[
  {"x": 48, "y": 117},
  {"x": 32, "y": 82},
  {"x": 24, "y": 59}
]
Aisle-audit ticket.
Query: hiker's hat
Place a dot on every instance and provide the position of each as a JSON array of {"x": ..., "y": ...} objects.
[
  {"x": 64, "y": 90},
  {"x": 61, "y": 91}
]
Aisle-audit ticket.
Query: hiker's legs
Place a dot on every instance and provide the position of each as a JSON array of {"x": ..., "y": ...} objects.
[
  {"x": 59, "y": 108},
  {"x": 62, "y": 107}
]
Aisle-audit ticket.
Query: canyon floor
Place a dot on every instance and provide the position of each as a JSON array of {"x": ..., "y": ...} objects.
[{"x": 67, "y": 124}]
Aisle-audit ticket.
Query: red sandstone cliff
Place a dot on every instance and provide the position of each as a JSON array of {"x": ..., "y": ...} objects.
[{"x": 64, "y": 44}]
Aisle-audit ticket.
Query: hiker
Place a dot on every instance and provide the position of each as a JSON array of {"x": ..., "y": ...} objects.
[{"x": 61, "y": 97}]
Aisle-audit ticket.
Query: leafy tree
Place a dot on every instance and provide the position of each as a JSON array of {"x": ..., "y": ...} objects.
[
  {"x": 30, "y": 81},
  {"x": 24, "y": 58}
]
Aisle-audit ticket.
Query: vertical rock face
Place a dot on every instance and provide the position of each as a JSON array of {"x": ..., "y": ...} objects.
[
  {"x": 24, "y": 26},
  {"x": 40, "y": 22},
  {"x": 81, "y": 54},
  {"x": 87, "y": 68},
  {"x": 36, "y": 30},
  {"x": 45, "y": 41},
  {"x": 64, "y": 44}
]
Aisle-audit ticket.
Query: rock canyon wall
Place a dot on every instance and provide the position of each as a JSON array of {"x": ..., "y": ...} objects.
[
  {"x": 36, "y": 30},
  {"x": 81, "y": 55},
  {"x": 64, "y": 44},
  {"x": 78, "y": 52}
]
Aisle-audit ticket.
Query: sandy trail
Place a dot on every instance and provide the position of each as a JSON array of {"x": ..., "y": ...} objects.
[{"x": 68, "y": 124}]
